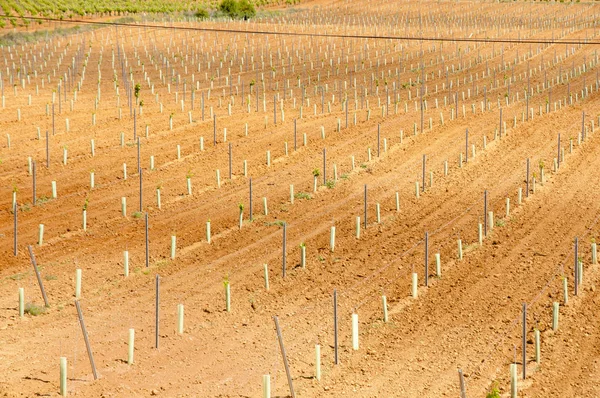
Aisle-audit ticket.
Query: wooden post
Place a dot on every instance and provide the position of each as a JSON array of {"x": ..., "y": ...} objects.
[
  {"x": 250, "y": 194},
  {"x": 285, "y": 361},
  {"x": 215, "y": 130},
  {"x": 461, "y": 380},
  {"x": 500, "y": 124},
  {"x": 37, "y": 274},
  {"x": 576, "y": 266},
  {"x": 230, "y": 167},
  {"x": 335, "y": 329},
  {"x": 15, "y": 228},
  {"x": 423, "y": 183},
  {"x": 324, "y": 166},
  {"x": 34, "y": 182},
  {"x": 527, "y": 180},
  {"x": 156, "y": 312},
  {"x": 86, "y": 339},
  {"x": 141, "y": 193},
  {"x": 427, "y": 259},
  {"x": 147, "y": 247},
  {"x": 138, "y": 154},
  {"x": 283, "y": 267},
  {"x": 558, "y": 152},
  {"x": 47, "y": 151},
  {"x": 295, "y": 142},
  {"x": 365, "y": 206},
  {"x": 524, "y": 349},
  {"x": 467, "y": 146},
  {"x": 378, "y": 139},
  {"x": 485, "y": 220}
]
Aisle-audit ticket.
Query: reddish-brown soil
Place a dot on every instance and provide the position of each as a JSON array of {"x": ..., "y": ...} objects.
[{"x": 469, "y": 318}]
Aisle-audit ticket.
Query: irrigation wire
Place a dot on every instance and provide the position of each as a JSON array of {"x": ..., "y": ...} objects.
[{"x": 311, "y": 35}]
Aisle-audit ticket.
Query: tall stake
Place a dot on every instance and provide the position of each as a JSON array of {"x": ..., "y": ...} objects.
[
  {"x": 576, "y": 266},
  {"x": 47, "y": 151},
  {"x": 230, "y": 167},
  {"x": 485, "y": 220},
  {"x": 215, "y": 130},
  {"x": 500, "y": 125},
  {"x": 250, "y": 193},
  {"x": 15, "y": 210},
  {"x": 34, "y": 182},
  {"x": 423, "y": 184},
  {"x": 422, "y": 84},
  {"x": 527, "y": 180},
  {"x": 335, "y": 329},
  {"x": 283, "y": 267},
  {"x": 427, "y": 259},
  {"x": 558, "y": 151},
  {"x": 467, "y": 146},
  {"x": 365, "y": 206},
  {"x": 346, "y": 106},
  {"x": 156, "y": 311},
  {"x": 378, "y": 139},
  {"x": 147, "y": 246},
  {"x": 285, "y": 361},
  {"x": 461, "y": 380},
  {"x": 141, "y": 192},
  {"x": 86, "y": 339},
  {"x": 37, "y": 274},
  {"x": 524, "y": 340},
  {"x": 324, "y": 166}
]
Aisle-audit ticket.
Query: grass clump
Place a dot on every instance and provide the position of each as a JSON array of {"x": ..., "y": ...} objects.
[
  {"x": 302, "y": 195},
  {"x": 18, "y": 277},
  {"x": 43, "y": 199},
  {"x": 279, "y": 223},
  {"x": 34, "y": 309}
]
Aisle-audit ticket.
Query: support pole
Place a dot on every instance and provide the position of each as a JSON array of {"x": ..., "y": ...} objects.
[
  {"x": 156, "y": 311},
  {"x": 86, "y": 339},
  {"x": 285, "y": 361},
  {"x": 524, "y": 349},
  {"x": 147, "y": 246},
  {"x": 576, "y": 266},
  {"x": 283, "y": 265},
  {"x": 485, "y": 219},
  {"x": 427, "y": 259},
  {"x": 37, "y": 274},
  {"x": 335, "y": 329},
  {"x": 365, "y": 206},
  {"x": 461, "y": 380}
]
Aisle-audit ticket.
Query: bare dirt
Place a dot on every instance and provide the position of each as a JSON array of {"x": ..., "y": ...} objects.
[{"x": 469, "y": 318}]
